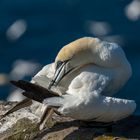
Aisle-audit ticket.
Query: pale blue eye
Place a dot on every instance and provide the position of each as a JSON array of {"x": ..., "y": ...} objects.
[{"x": 58, "y": 64}]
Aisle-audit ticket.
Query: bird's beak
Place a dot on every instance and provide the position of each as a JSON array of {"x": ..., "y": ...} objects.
[{"x": 60, "y": 73}]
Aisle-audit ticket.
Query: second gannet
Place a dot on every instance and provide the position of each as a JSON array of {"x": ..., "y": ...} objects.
[{"x": 89, "y": 71}]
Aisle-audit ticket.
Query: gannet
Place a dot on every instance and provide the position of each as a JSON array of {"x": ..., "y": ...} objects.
[{"x": 88, "y": 72}]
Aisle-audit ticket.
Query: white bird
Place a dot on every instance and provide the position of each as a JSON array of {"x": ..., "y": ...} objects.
[
  {"x": 88, "y": 72},
  {"x": 91, "y": 71}
]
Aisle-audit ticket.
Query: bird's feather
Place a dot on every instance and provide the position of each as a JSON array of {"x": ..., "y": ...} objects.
[
  {"x": 34, "y": 91},
  {"x": 44, "y": 81}
]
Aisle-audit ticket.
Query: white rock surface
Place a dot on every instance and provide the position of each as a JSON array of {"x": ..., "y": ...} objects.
[{"x": 21, "y": 124}]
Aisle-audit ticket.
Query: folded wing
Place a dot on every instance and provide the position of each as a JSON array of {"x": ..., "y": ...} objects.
[{"x": 84, "y": 100}]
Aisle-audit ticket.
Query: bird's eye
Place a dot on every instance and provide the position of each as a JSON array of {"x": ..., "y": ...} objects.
[{"x": 58, "y": 64}]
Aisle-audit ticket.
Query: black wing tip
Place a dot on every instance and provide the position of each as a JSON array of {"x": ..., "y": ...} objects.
[
  {"x": 33, "y": 96},
  {"x": 18, "y": 82},
  {"x": 13, "y": 82}
]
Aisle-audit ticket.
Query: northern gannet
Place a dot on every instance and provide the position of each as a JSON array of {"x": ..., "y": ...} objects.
[{"x": 88, "y": 72}]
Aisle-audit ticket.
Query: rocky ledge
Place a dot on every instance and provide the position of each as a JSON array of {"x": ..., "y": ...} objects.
[{"x": 22, "y": 125}]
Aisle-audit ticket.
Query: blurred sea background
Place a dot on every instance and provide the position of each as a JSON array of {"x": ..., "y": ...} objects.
[{"x": 32, "y": 32}]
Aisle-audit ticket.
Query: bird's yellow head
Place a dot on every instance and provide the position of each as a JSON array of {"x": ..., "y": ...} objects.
[
  {"x": 85, "y": 51},
  {"x": 72, "y": 56}
]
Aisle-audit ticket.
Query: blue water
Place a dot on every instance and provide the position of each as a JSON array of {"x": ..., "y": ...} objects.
[{"x": 52, "y": 24}]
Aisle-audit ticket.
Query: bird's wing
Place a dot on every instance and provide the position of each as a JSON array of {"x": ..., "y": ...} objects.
[
  {"x": 47, "y": 71},
  {"x": 34, "y": 91},
  {"x": 84, "y": 100},
  {"x": 99, "y": 109}
]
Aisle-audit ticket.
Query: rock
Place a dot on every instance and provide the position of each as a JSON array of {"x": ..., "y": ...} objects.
[
  {"x": 22, "y": 125},
  {"x": 67, "y": 129}
]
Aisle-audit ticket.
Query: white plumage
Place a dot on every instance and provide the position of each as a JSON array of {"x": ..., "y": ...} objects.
[{"x": 102, "y": 70}]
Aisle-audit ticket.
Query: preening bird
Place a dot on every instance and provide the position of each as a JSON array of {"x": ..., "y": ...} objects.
[{"x": 86, "y": 74}]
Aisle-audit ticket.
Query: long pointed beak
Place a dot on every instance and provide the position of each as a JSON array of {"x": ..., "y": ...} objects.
[{"x": 61, "y": 72}]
